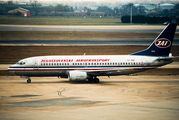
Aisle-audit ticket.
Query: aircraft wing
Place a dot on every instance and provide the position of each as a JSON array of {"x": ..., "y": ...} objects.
[{"x": 104, "y": 72}]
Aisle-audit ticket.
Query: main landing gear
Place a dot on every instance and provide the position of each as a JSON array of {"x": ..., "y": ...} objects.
[{"x": 93, "y": 80}]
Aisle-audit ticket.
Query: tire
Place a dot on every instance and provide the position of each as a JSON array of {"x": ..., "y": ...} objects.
[
  {"x": 96, "y": 80},
  {"x": 28, "y": 81},
  {"x": 90, "y": 80}
]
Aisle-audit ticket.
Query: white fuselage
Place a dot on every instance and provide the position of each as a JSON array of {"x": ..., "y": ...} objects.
[{"x": 98, "y": 65}]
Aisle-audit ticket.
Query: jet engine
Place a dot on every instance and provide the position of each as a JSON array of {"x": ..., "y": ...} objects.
[{"x": 76, "y": 75}]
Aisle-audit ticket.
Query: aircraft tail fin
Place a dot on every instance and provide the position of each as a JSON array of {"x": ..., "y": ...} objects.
[{"x": 162, "y": 44}]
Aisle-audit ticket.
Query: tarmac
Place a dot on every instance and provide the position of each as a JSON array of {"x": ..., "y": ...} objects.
[{"x": 118, "y": 97}]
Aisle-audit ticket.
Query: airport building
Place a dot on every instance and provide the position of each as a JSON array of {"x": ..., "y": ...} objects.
[{"x": 22, "y": 11}]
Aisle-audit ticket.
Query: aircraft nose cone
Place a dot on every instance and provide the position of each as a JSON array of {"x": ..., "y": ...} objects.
[{"x": 10, "y": 69}]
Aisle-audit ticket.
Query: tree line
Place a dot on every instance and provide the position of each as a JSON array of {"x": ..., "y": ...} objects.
[{"x": 58, "y": 8}]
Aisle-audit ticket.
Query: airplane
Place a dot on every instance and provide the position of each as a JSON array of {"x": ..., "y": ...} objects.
[{"x": 89, "y": 67}]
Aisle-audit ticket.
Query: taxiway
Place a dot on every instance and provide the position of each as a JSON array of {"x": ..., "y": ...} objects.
[{"x": 121, "y": 28}]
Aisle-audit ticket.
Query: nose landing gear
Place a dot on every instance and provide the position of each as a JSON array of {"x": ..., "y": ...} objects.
[{"x": 29, "y": 80}]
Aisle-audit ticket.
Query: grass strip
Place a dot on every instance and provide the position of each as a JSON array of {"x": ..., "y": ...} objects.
[
  {"x": 49, "y": 35},
  {"x": 58, "y": 21}
]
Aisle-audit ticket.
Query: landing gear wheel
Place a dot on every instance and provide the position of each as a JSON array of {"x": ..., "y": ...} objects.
[
  {"x": 96, "y": 80},
  {"x": 90, "y": 80},
  {"x": 93, "y": 80},
  {"x": 29, "y": 81}
]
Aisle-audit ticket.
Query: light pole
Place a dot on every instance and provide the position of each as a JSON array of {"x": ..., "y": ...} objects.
[
  {"x": 131, "y": 5},
  {"x": 131, "y": 14}
]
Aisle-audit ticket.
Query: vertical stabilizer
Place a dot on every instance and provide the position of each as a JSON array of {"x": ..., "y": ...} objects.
[{"x": 162, "y": 44}]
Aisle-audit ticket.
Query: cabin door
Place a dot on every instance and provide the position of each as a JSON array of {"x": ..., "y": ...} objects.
[{"x": 35, "y": 64}]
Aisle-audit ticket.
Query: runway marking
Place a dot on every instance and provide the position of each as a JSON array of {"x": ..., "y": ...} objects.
[{"x": 60, "y": 92}]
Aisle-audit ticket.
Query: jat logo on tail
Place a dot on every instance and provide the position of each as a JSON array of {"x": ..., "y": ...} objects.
[{"x": 163, "y": 43}]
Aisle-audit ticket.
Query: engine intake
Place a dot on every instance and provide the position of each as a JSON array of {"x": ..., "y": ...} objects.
[{"x": 76, "y": 75}]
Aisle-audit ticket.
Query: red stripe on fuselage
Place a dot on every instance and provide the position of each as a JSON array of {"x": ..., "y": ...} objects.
[{"x": 78, "y": 69}]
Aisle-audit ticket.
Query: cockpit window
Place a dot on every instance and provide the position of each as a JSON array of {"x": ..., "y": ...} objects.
[{"x": 20, "y": 63}]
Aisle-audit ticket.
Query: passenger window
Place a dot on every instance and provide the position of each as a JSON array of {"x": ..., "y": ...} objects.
[
  {"x": 85, "y": 63},
  {"x": 88, "y": 63},
  {"x": 54, "y": 63},
  {"x": 91, "y": 63},
  {"x": 94, "y": 63},
  {"x": 62, "y": 63},
  {"x": 67, "y": 63},
  {"x": 80, "y": 63},
  {"x": 41, "y": 63}
]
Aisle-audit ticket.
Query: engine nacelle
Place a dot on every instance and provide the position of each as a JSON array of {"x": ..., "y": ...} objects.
[{"x": 76, "y": 75}]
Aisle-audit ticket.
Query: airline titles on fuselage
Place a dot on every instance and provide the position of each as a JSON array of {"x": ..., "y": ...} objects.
[{"x": 77, "y": 60}]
